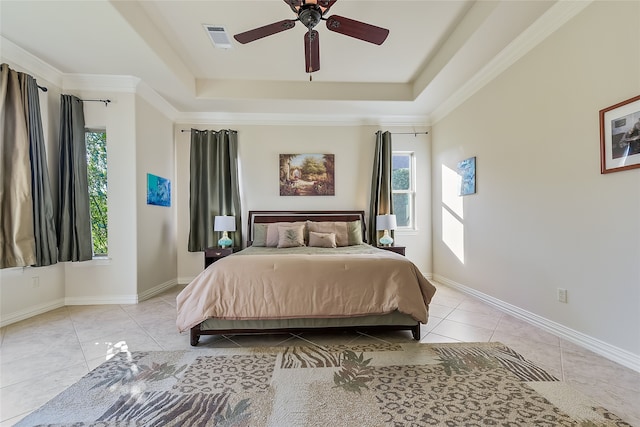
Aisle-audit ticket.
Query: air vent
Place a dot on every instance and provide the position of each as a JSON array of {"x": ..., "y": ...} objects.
[{"x": 218, "y": 36}]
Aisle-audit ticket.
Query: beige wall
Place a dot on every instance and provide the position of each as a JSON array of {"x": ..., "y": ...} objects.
[
  {"x": 156, "y": 231},
  {"x": 259, "y": 148},
  {"x": 113, "y": 280},
  {"x": 544, "y": 217}
]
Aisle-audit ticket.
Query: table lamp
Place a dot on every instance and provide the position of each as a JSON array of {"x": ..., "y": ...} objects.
[
  {"x": 224, "y": 224},
  {"x": 386, "y": 223}
]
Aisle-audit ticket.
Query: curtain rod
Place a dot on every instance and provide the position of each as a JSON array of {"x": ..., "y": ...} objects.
[
  {"x": 106, "y": 101},
  {"x": 214, "y": 131},
  {"x": 409, "y": 133}
]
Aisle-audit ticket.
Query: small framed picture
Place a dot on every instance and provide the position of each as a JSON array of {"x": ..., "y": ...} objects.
[
  {"x": 620, "y": 136},
  {"x": 467, "y": 172},
  {"x": 158, "y": 191}
]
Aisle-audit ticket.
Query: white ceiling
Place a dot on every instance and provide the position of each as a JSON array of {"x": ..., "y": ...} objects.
[{"x": 433, "y": 49}]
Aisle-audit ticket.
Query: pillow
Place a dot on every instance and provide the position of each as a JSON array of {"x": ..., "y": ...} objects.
[
  {"x": 354, "y": 232},
  {"x": 337, "y": 228},
  {"x": 272, "y": 232},
  {"x": 290, "y": 236},
  {"x": 322, "y": 240},
  {"x": 259, "y": 234}
]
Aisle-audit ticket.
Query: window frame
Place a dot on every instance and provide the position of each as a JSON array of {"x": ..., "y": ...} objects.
[{"x": 411, "y": 191}]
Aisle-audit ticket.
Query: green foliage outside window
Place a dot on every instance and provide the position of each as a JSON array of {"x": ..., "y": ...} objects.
[
  {"x": 402, "y": 188},
  {"x": 96, "y": 142},
  {"x": 400, "y": 179}
]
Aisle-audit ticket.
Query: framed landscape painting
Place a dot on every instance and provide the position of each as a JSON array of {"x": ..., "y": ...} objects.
[
  {"x": 307, "y": 175},
  {"x": 620, "y": 136}
]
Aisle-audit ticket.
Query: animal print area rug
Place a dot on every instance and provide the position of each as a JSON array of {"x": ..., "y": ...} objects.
[{"x": 335, "y": 385}]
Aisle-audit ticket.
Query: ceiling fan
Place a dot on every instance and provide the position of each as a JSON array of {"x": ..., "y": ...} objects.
[{"x": 310, "y": 13}]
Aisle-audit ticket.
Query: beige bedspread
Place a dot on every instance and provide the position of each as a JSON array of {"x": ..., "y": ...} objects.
[{"x": 267, "y": 284}]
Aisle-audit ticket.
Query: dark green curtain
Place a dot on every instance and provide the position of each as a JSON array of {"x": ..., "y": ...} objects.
[
  {"x": 74, "y": 218},
  {"x": 17, "y": 245},
  {"x": 44, "y": 229},
  {"x": 214, "y": 187},
  {"x": 381, "y": 201}
]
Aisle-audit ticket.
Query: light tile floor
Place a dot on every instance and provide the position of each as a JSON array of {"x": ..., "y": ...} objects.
[{"x": 43, "y": 355}]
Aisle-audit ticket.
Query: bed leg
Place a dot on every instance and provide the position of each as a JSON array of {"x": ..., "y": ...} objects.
[
  {"x": 195, "y": 335},
  {"x": 416, "y": 332}
]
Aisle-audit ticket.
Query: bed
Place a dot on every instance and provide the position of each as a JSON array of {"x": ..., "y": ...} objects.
[{"x": 305, "y": 271}]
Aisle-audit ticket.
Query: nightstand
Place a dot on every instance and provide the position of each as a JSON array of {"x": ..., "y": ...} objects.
[
  {"x": 212, "y": 255},
  {"x": 396, "y": 249}
]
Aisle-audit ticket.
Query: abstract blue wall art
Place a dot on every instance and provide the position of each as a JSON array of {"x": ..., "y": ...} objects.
[
  {"x": 158, "y": 190},
  {"x": 467, "y": 172}
]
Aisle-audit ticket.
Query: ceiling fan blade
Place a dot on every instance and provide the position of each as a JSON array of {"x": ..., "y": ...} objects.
[
  {"x": 311, "y": 51},
  {"x": 356, "y": 29},
  {"x": 267, "y": 30},
  {"x": 294, "y": 4},
  {"x": 326, "y": 5}
]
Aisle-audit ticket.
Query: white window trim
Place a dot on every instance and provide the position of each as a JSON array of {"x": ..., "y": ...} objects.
[{"x": 412, "y": 193}]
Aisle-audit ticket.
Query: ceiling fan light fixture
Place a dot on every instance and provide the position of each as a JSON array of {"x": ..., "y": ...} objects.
[{"x": 310, "y": 14}]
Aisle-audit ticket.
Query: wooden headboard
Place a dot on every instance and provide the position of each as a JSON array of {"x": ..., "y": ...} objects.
[{"x": 262, "y": 217}]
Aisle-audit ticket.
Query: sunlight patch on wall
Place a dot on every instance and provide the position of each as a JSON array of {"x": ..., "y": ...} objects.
[
  {"x": 452, "y": 212},
  {"x": 451, "y": 182}
]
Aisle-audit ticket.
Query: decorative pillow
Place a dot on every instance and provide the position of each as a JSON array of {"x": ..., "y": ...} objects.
[
  {"x": 322, "y": 240},
  {"x": 290, "y": 236},
  {"x": 354, "y": 232},
  {"x": 260, "y": 234},
  {"x": 338, "y": 228},
  {"x": 272, "y": 232}
]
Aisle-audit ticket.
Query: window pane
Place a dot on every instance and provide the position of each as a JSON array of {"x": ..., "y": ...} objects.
[
  {"x": 402, "y": 209},
  {"x": 401, "y": 172},
  {"x": 97, "y": 179}
]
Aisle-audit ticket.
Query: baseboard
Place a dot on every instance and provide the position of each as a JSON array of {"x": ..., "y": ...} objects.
[
  {"x": 105, "y": 300},
  {"x": 185, "y": 280},
  {"x": 618, "y": 355},
  {"x": 6, "y": 320},
  {"x": 156, "y": 290}
]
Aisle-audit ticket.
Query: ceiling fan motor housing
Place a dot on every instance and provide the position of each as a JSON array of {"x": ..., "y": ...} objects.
[{"x": 310, "y": 14}]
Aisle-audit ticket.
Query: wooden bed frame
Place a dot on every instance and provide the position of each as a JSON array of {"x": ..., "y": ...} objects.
[{"x": 262, "y": 217}]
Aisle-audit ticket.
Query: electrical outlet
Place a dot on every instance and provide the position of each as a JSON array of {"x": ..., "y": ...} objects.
[
  {"x": 562, "y": 295},
  {"x": 35, "y": 282}
]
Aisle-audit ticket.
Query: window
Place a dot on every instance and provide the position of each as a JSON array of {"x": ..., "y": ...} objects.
[
  {"x": 403, "y": 188},
  {"x": 96, "y": 141}
]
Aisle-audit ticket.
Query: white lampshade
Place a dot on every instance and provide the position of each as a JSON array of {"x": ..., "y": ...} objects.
[
  {"x": 224, "y": 223},
  {"x": 386, "y": 222}
]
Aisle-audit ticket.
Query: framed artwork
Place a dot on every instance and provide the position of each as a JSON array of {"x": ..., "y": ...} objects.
[
  {"x": 158, "y": 190},
  {"x": 620, "y": 136},
  {"x": 307, "y": 175},
  {"x": 467, "y": 172}
]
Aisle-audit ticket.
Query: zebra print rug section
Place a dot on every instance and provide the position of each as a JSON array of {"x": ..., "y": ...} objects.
[{"x": 342, "y": 385}]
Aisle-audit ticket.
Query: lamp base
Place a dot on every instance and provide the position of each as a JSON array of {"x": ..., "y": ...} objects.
[
  {"x": 225, "y": 241},
  {"x": 386, "y": 240}
]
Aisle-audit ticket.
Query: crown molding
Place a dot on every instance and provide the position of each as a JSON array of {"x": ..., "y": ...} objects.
[
  {"x": 157, "y": 101},
  {"x": 554, "y": 18},
  {"x": 17, "y": 57},
  {"x": 269, "y": 119}
]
